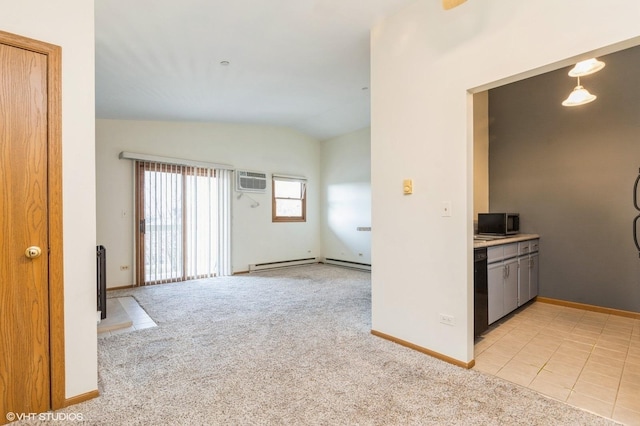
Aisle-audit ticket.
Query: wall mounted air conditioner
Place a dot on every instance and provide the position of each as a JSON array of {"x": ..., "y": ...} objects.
[{"x": 251, "y": 181}]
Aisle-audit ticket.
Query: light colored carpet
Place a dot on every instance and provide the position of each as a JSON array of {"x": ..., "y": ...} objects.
[{"x": 291, "y": 347}]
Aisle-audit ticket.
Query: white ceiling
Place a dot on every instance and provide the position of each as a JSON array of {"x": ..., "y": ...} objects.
[{"x": 296, "y": 63}]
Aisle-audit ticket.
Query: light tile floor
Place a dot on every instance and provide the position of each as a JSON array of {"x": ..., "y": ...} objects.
[
  {"x": 136, "y": 314},
  {"x": 587, "y": 359}
]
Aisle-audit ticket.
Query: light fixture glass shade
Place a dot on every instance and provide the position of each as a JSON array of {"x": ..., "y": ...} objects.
[
  {"x": 450, "y": 4},
  {"x": 579, "y": 96},
  {"x": 586, "y": 67}
]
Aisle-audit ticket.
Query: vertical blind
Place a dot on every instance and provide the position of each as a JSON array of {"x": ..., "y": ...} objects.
[
  {"x": 225, "y": 178},
  {"x": 184, "y": 214}
]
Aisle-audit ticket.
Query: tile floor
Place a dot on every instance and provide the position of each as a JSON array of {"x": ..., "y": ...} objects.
[
  {"x": 587, "y": 359},
  {"x": 138, "y": 317}
]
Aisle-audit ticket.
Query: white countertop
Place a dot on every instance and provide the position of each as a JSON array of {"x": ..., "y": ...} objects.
[{"x": 504, "y": 240}]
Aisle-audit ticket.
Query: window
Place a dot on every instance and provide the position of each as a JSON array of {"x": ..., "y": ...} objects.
[{"x": 289, "y": 199}]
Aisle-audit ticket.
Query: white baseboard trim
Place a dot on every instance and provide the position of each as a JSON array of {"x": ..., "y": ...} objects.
[
  {"x": 282, "y": 264},
  {"x": 347, "y": 264}
]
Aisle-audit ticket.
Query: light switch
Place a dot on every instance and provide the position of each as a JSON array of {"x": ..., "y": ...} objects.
[
  {"x": 407, "y": 186},
  {"x": 445, "y": 209}
]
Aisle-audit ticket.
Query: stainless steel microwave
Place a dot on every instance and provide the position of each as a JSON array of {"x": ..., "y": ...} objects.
[{"x": 498, "y": 223}]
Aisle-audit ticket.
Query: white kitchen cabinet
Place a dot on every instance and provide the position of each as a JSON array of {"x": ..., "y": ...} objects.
[
  {"x": 510, "y": 291},
  {"x": 524, "y": 278},
  {"x": 527, "y": 271},
  {"x": 512, "y": 274},
  {"x": 495, "y": 289},
  {"x": 533, "y": 275},
  {"x": 502, "y": 277}
]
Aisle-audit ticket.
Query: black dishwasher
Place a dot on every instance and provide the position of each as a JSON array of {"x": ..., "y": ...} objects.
[{"x": 480, "y": 292}]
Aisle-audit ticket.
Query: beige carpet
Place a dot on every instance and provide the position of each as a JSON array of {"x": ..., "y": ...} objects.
[{"x": 290, "y": 347}]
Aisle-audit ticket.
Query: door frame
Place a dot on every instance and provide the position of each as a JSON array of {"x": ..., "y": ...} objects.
[{"x": 54, "y": 208}]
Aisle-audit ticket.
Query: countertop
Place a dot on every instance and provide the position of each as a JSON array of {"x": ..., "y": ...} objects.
[{"x": 504, "y": 240}]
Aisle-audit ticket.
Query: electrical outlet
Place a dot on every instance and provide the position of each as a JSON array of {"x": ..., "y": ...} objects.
[
  {"x": 447, "y": 319},
  {"x": 124, "y": 267}
]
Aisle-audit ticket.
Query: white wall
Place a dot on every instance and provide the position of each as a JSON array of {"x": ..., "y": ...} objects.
[
  {"x": 346, "y": 197},
  {"x": 255, "y": 239},
  {"x": 424, "y": 61},
  {"x": 69, "y": 24},
  {"x": 480, "y": 153}
]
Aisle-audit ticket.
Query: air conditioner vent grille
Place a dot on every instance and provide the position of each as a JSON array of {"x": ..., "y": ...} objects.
[
  {"x": 251, "y": 181},
  {"x": 255, "y": 174}
]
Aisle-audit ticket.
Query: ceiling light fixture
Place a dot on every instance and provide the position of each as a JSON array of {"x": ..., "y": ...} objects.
[
  {"x": 450, "y": 4},
  {"x": 587, "y": 67},
  {"x": 579, "y": 96}
]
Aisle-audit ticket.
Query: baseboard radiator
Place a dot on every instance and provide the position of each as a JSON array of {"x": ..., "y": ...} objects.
[
  {"x": 348, "y": 264},
  {"x": 282, "y": 264},
  {"x": 102, "y": 280}
]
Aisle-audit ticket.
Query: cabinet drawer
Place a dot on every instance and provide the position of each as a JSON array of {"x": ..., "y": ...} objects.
[
  {"x": 501, "y": 252},
  {"x": 495, "y": 254},
  {"x": 510, "y": 250},
  {"x": 534, "y": 246},
  {"x": 524, "y": 248}
]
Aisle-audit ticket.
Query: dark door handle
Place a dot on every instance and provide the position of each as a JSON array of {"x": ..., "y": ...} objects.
[
  {"x": 635, "y": 193},
  {"x": 635, "y": 233}
]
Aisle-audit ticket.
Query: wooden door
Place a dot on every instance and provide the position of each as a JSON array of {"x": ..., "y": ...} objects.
[{"x": 25, "y": 185}]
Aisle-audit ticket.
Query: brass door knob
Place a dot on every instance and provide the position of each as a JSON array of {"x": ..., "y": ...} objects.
[{"x": 33, "y": 252}]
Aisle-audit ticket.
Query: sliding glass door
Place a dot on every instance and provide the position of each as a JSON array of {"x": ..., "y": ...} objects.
[
  {"x": 201, "y": 195},
  {"x": 178, "y": 209}
]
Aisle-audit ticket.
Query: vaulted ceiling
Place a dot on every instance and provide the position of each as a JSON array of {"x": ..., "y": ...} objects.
[{"x": 297, "y": 63}]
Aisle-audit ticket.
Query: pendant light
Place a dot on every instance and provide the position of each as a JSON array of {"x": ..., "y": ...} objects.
[
  {"x": 579, "y": 96},
  {"x": 586, "y": 67}
]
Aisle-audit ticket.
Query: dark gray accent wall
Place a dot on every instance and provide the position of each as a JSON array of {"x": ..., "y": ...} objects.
[{"x": 569, "y": 172}]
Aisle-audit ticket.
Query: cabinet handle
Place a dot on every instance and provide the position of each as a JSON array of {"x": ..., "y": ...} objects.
[{"x": 635, "y": 193}]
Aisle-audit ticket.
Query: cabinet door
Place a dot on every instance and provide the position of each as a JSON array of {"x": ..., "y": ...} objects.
[
  {"x": 495, "y": 278},
  {"x": 510, "y": 285},
  {"x": 523, "y": 280},
  {"x": 533, "y": 275}
]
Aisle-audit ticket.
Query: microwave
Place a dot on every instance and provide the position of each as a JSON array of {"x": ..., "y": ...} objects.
[{"x": 498, "y": 223}]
